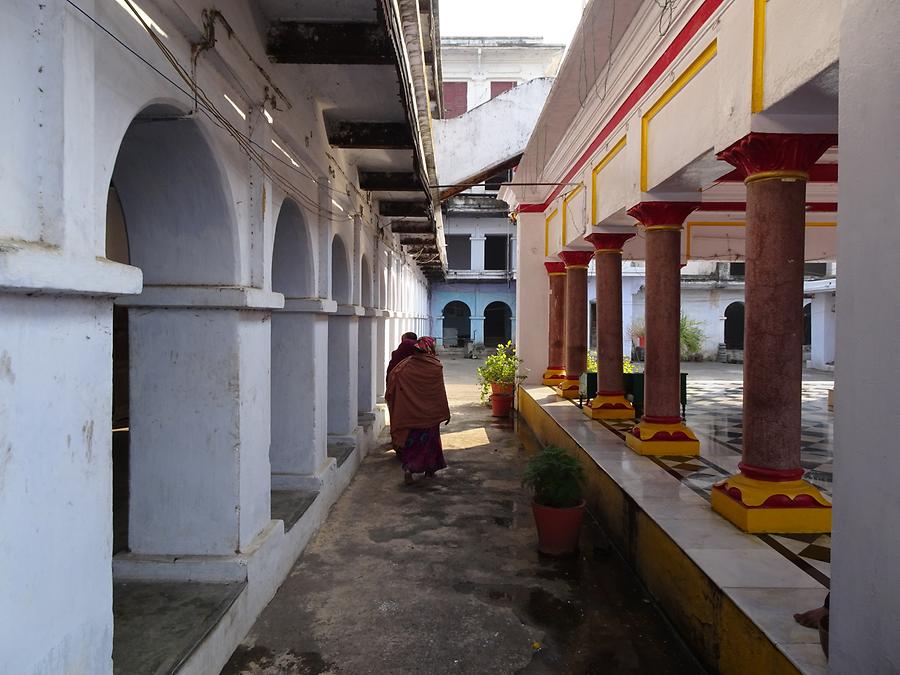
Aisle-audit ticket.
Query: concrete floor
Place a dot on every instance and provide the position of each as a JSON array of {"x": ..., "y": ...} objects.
[{"x": 443, "y": 576}]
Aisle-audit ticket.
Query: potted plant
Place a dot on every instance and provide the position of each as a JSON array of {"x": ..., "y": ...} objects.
[
  {"x": 554, "y": 476},
  {"x": 499, "y": 375}
]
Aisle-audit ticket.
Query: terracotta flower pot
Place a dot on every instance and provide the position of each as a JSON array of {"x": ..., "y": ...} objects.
[
  {"x": 501, "y": 388},
  {"x": 558, "y": 529},
  {"x": 501, "y": 404}
]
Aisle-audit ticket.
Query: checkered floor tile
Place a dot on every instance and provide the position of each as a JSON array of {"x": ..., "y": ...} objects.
[{"x": 714, "y": 412}]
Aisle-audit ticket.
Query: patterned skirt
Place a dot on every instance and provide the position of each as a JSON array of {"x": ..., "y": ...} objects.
[{"x": 422, "y": 452}]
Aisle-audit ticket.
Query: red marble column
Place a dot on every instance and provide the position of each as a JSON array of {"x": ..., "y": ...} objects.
[
  {"x": 556, "y": 368},
  {"x": 610, "y": 402},
  {"x": 769, "y": 494},
  {"x": 576, "y": 320},
  {"x": 661, "y": 430}
]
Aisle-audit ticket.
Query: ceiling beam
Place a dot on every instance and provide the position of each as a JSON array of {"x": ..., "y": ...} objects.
[
  {"x": 370, "y": 135},
  {"x": 412, "y": 227},
  {"x": 327, "y": 43},
  {"x": 395, "y": 209},
  {"x": 389, "y": 181}
]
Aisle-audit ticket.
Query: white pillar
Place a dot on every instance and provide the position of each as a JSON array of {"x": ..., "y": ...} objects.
[
  {"x": 200, "y": 416},
  {"x": 477, "y": 242},
  {"x": 865, "y": 620},
  {"x": 299, "y": 392},
  {"x": 343, "y": 397},
  {"x": 532, "y": 297},
  {"x": 368, "y": 373},
  {"x": 383, "y": 356},
  {"x": 822, "y": 320},
  {"x": 476, "y": 328}
]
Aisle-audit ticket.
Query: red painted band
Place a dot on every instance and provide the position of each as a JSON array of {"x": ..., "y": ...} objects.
[
  {"x": 681, "y": 41},
  {"x": 650, "y": 419},
  {"x": 811, "y": 207},
  {"x": 772, "y": 475}
]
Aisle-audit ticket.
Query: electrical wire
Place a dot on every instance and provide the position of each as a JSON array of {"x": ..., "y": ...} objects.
[{"x": 257, "y": 153}]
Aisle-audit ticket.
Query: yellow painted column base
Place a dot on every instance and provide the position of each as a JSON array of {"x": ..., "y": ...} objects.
[
  {"x": 554, "y": 376},
  {"x": 650, "y": 438},
  {"x": 568, "y": 389},
  {"x": 609, "y": 408},
  {"x": 760, "y": 506}
]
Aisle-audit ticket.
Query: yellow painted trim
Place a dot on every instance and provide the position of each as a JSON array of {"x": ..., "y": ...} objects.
[
  {"x": 597, "y": 169},
  {"x": 777, "y": 175},
  {"x": 732, "y": 223},
  {"x": 565, "y": 205},
  {"x": 646, "y": 446},
  {"x": 689, "y": 73},
  {"x": 759, "y": 56},
  {"x": 547, "y": 232},
  {"x": 595, "y": 410},
  {"x": 779, "y": 520}
]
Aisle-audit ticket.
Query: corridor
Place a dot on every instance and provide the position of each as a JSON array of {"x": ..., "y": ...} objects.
[{"x": 443, "y": 576}]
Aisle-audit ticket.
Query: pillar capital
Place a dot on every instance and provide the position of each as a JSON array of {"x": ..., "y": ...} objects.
[
  {"x": 555, "y": 267},
  {"x": 767, "y": 155},
  {"x": 609, "y": 241},
  {"x": 662, "y": 214},
  {"x": 576, "y": 258}
]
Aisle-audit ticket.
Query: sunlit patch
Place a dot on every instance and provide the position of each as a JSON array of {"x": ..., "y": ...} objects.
[
  {"x": 268, "y": 116},
  {"x": 285, "y": 153},
  {"x": 236, "y": 107},
  {"x": 468, "y": 438},
  {"x": 141, "y": 17}
]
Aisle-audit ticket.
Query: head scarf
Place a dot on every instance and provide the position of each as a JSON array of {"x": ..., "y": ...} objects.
[{"x": 426, "y": 344}]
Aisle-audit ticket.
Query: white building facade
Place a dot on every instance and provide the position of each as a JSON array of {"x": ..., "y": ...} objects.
[
  {"x": 506, "y": 79},
  {"x": 198, "y": 299}
]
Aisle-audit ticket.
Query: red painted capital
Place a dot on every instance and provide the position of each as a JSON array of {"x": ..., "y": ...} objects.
[
  {"x": 576, "y": 257},
  {"x": 758, "y": 152},
  {"x": 555, "y": 267},
  {"x": 662, "y": 213},
  {"x": 608, "y": 241}
]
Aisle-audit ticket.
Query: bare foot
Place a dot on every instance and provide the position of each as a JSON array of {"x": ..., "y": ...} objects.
[
  {"x": 407, "y": 478},
  {"x": 811, "y": 618}
]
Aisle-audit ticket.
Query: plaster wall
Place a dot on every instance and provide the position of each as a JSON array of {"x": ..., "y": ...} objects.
[{"x": 865, "y": 602}]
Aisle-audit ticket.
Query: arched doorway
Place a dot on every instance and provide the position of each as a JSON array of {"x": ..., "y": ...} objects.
[
  {"x": 497, "y": 324},
  {"x": 734, "y": 326},
  {"x": 293, "y": 402},
  {"x": 168, "y": 213},
  {"x": 456, "y": 323}
]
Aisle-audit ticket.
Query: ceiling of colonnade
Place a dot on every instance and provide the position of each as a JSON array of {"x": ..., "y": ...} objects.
[{"x": 376, "y": 77}]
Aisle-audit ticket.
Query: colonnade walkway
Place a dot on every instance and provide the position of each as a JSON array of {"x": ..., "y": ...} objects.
[{"x": 443, "y": 576}]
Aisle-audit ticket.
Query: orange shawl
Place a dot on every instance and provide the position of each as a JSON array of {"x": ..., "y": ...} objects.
[{"x": 415, "y": 391}]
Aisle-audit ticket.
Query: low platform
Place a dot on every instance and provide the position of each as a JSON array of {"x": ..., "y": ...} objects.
[
  {"x": 158, "y": 625},
  {"x": 731, "y": 595},
  {"x": 290, "y": 505}
]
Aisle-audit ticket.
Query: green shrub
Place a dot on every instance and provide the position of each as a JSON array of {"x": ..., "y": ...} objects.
[
  {"x": 499, "y": 368},
  {"x": 554, "y": 476},
  {"x": 692, "y": 337},
  {"x": 627, "y": 366}
]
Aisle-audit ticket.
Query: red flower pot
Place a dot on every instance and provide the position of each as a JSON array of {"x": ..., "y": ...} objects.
[
  {"x": 501, "y": 404},
  {"x": 500, "y": 388},
  {"x": 558, "y": 529}
]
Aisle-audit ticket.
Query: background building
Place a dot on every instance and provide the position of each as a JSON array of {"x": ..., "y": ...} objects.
[{"x": 477, "y": 302}]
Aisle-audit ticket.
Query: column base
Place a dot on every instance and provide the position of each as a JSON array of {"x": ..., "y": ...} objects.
[
  {"x": 554, "y": 376},
  {"x": 569, "y": 389},
  {"x": 662, "y": 438},
  {"x": 759, "y": 506},
  {"x": 614, "y": 407}
]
